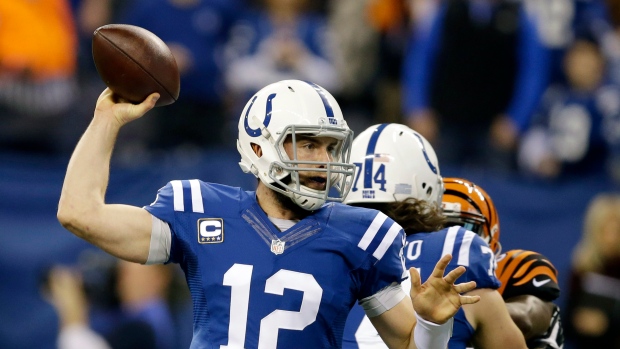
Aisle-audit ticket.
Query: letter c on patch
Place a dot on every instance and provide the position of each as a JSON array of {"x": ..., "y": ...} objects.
[{"x": 210, "y": 228}]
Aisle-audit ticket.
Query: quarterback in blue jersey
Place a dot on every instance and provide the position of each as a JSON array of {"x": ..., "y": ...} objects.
[
  {"x": 398, "y": 174},
  {"x": 277, "y": 267}
]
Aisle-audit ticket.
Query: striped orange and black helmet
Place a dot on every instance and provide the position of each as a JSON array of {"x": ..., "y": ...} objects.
[
  {"x": 525, "y": 272},
  {"x": 468, "y": 205}
]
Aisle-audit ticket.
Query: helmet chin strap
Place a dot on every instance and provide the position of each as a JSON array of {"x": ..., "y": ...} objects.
[
  {"x": 302, "y": 198},
  {"x": 499, "y": 249},
  {"x": 305, "y": 201}
]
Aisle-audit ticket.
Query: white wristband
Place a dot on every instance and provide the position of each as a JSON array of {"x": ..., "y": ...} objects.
[
  {"x": 80, "y": 336},
  {"x": 429, "y": 335}
]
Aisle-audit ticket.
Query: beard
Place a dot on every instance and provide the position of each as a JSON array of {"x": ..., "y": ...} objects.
[{"x": 288, "y": 203}]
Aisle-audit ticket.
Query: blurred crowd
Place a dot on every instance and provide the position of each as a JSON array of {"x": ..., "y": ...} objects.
[
  {"x": 528, "y": 87},
  {"x": 106, "y": 303}
]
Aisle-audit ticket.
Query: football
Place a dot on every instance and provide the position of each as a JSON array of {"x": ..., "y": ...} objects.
[{"x": 133, "y": 63}]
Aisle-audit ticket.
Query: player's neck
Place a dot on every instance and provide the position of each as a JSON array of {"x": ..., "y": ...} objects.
[{"x": 277, "y": 205}]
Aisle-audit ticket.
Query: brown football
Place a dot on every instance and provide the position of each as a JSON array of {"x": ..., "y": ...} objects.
[{"x": 133, "y": 63}]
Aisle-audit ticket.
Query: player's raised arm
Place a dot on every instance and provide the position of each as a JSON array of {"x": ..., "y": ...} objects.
[
  {"x": 121, "y": 230},
  {"x": 436, "y": 301}
]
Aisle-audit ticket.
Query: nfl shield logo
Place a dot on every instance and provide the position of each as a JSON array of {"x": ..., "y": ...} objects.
[{"x": 277, "y": 246}]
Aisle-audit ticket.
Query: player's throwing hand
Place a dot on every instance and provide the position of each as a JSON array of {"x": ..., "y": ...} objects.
[
  {"x": 438, "y": 299},
  {"x": 110, "y": 106}
]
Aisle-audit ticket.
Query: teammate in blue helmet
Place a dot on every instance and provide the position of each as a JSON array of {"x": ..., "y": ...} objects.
[{"x": 398, "y": 174}]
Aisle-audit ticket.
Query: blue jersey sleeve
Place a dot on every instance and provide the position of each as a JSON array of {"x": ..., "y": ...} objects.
[
  {"x": 388, "y": 268},
  {"x": 479, "y": 260},
  {"x": 180, "y": 204},
  {"x": 379, "y": 243},
  {"x": 162, "y": 207},
  {"x": 467, "y": 249}
]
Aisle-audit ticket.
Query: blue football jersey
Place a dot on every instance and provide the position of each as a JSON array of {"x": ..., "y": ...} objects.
[
  {"x": 422, "y": 252},
  {"x": 253, "y": 286}
]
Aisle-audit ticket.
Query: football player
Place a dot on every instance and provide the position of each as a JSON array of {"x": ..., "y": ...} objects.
[
  {"x": 398, "y": 174},
  {"x": 276, "y": 267},
  {"x": 528, "y": 279}
]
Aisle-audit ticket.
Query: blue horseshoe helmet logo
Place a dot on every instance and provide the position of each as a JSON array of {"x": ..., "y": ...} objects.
[
  {"x": 428, "y": 160},
  {"x": 255, "y": 132}
]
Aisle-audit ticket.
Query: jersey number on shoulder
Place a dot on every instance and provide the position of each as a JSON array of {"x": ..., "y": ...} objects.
[
  {"x": 239, "y": 277},
  {"x": 492, "y": 261},
  {"x": 414, "y": 250}
]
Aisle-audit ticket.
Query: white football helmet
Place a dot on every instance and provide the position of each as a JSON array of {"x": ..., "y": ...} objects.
[
  {"x": 293, "y": 107},
  {"x": 394, "y": 163}
]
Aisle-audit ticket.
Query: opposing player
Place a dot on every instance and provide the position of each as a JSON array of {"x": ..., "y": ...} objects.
[
  {"x": 274, "y": 268},
  {"x": 398, "y": 174},
  {"x": 528, "y": 280}
]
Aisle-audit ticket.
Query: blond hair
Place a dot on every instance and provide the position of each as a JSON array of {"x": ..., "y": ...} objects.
[{"x": 587, "y": 255}]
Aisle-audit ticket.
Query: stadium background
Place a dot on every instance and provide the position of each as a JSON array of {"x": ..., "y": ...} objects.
[{"x": 537, "y": 214}]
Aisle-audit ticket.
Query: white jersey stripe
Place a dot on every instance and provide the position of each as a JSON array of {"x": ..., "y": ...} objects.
[
  {"x": 177, "y": 193},
  {"x": 448, "y": 244},
  {"x": 372, "y": 230},
  {"x": 464, "y": 250},
  {"x": 196, "y": 196},
  {"x": 387, "y": 241}
]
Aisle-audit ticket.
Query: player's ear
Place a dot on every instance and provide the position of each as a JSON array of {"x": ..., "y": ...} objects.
[{"x": 257, "y": 149}]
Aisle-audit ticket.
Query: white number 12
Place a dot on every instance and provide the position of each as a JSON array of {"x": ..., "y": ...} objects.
[{"x": 239, "y": 278}]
